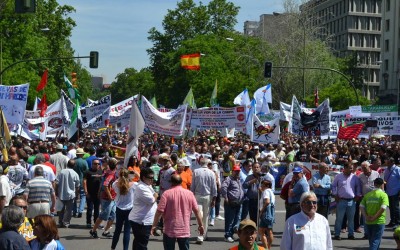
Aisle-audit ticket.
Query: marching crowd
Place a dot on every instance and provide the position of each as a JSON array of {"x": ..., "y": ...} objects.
[{"x": 168, "y": 180}]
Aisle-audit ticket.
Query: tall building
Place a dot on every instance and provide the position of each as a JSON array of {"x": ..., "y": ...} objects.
[
  {"x": 353, "y": 26},
  {"x": 390, "y": 67}
]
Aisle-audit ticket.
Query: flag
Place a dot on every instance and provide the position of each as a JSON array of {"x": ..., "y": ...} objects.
[
  {"x": 73, "y": 92},
  {"x": 191, "y": 61},
  {"x": 316, "y": 97},
  {"x": 189, "y": 99},
  {"x": 43, "y": 105},
  {"x": 153, "y": 101},
  {"x": 243, "y": 98},
  {"x": 264, "y": 110},
  {"x": 73, "y": 131},
  {"x": 43, "y": 81},
  {"x": 349, "y": 132},
  {"x": 250, "y": 111},
  {"x": 264, "y": 91},
  {"x": 5, "y": 136},
  {"x": 136, "y": 127},
  {"x": 213, "y": 100},
  {"x": 35, "y": 105}
]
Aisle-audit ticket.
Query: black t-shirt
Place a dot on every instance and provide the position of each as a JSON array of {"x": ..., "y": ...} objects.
[{"x": 93, "y": 181}]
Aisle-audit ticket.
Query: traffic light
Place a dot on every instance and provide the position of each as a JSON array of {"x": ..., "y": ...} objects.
[
  {"x": 25, "y": 6},
  {"x": 268, "y": 70},
  {"x": 94, "y": 59},
  {"x": 73, "y": 77}
]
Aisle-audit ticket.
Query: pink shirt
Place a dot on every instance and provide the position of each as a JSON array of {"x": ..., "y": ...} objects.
[{"x": 177, "y": 204}]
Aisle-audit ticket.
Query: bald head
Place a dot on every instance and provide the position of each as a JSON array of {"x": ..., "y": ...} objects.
[{"x": 176, "y": 180}]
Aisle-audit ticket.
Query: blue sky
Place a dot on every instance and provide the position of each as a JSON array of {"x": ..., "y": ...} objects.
[{"x": 118, "y": 29}]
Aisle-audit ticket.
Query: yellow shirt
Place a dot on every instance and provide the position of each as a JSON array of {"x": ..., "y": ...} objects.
[{"x": 26, "y": 230}]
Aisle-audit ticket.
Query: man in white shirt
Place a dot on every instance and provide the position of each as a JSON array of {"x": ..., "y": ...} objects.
[
  {"x": 48, "y": 173},
  {"x": 307, "y": 229},
  {"x": 144, "y": 209},
  {"x": 58, "y": 159},
  {"x": 5, "y": 190},
  {"x": 268, "y": 154}
]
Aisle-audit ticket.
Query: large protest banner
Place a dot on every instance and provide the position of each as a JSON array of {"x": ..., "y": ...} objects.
[
  {"x": 166, "y": 123},
  {"x": 219, "y": 118},
  {"x": 13, "y": 102},
  {"x": 120, "y": 113},
  {"x": 388, "y": 125},
  {"x": 97, "y": 113},
  {"x": 265, "y": 132},
  {"x": 367, "y": 111}
]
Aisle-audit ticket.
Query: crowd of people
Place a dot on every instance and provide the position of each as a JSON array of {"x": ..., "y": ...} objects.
[{"x": 168, "y": 180}]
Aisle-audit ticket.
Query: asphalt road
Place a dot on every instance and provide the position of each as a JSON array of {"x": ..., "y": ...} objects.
[{"x": 77, "y": 236}]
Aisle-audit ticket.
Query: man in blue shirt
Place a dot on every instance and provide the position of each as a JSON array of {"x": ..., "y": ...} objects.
[
  {"x": 322, "y": 188},
  {"x": 298, "y": 186},
  {"x": 391, "y": 177}
]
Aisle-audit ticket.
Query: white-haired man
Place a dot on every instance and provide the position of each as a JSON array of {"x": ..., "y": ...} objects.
[{"x": 307, "y": 229}]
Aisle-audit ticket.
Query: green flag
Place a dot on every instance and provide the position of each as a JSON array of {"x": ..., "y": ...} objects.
[
  {"x": 73, "y": 92},
  {"x": 153, "y": 101},
  {"x": 189, "y": 99},
  {"x": 213, "y": 100}
]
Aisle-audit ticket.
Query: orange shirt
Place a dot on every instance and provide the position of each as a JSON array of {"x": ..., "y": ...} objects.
[
  {"x": 186, "y": 179},
  {"x": 137, "y": 170}
]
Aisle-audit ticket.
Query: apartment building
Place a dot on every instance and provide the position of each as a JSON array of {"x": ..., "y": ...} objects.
[{"x": 390, "y": 67}]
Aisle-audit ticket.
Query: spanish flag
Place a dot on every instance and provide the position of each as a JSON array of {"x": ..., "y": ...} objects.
[{"x": 191, "y": 61}]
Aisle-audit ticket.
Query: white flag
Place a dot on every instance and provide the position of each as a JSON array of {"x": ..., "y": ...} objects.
[
  {"x": 264, "y": 91},
  {"x": 136, "y": 127},
  {"x": 242, "y": 99}
]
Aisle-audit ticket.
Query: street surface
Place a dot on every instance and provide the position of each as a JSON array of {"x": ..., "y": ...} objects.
[{"x": 77, "y": 236}]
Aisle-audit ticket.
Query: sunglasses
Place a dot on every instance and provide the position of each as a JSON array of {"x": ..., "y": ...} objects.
[
  {"x": 150, "y": 178},
  {"x": 310, "y": 202},
  {"x": 23, "y": 207}
]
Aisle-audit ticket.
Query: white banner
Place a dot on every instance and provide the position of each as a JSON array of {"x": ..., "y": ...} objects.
[
  {"x": 388, "y": 125},
  {"x": 97, "y": 113},
  {"x": 219, "y": 118},
  {"x": 13, "y": 102},
  {"x": 169, "y": 123},
  {"x": 120, "y": 113},
  {"x": 267, "y": 132}
]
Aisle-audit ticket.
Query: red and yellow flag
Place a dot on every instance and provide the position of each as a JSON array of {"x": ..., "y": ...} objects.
[{"x": 191, "y": 61}]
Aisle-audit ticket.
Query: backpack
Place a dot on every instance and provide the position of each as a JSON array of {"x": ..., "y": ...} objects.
[{"x": 226, "y": 167}]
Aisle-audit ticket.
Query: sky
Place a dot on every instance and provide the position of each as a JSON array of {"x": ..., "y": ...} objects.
[{"x": 118, "y": 29}]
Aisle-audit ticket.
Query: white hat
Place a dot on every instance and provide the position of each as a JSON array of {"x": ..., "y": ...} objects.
[
  {"x": 184, "y": 162},
  {"x": 256, "y": 147},
  {"x": 164, "y": 156},
  {"x": 60, "y": 146},
  {"x": 80, "y": 151}
]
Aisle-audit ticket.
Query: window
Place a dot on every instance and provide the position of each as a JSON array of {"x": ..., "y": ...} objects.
[
  {"x": 386, "y": 65},
  {"x": 387, "y": 25},
  {"x": 386, "y": 45},
  {"x": 388, "y": 5}
]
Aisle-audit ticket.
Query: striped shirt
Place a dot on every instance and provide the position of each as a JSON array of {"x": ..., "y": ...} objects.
[{"x": 39, "y": 189}]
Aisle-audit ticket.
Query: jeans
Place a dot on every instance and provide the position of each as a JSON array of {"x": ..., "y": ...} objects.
[
  {"x": 203, "y": 203},
  {"x": 122, "y": 220},
  {"x": 253, "y": 208},
  {"x": 169, "y": 243},
  {"x": 244, "y": 210},
  {"x": 93, "y": 203},
  {"x": 375, "y": 233},
  {"x": 323, "y": 205},
  {"x": 232, "y": 215},
  {"x": 76, "y": 209},
  {"x": 394, "y": 209},
  {"x": 217, "y": 204},
  {"x": 107, "y": 210},
  {"x": 141, "y": 235},
  {"x": 343, "y": 207}
]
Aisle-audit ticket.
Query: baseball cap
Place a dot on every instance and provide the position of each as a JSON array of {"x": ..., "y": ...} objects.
[
  {"x": 256, "y": 147},
  {"x": 184, "y": 162},
  {"x": 247, "y": 223},
  {"x": 236, "y": 168},
  {"x": 297, "y": 170}
]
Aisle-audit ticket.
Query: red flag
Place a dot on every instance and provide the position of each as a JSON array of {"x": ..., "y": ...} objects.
[
  {"x": 43, "y": 105},
  {"x": 350, "y": 132},
  {"x": 43, "y": 82},
  {"x": 316, "y": 97}
]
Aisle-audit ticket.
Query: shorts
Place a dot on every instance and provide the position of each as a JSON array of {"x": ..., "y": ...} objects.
[
  {"x": 266, "y": 223},
  {"x": 107, "y": 210}
]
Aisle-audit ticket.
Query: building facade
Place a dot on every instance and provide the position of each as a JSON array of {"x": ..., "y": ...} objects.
[{"x": 390, "y": 67}]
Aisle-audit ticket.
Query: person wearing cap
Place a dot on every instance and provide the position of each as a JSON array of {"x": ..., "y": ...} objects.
[
  {"x": 298, "y": 186},
  {"x": 165, "y": 173},
  {"x": 247, "y": 233},
  {"x": 58, "y": 159},
  {"x": 185, "y": 176},
  {"x": 307, "y": 229},
  {"x": 232, "y": 192},
  {"x": 373, "y": 207},
  {"x": 346, "y": 189},
  {"x": 80, "y": 168},
  {"x": 321, "y": 182},
  {"x": 204, "y": 188}
]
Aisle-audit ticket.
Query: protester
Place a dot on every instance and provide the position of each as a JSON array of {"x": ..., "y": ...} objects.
[
  {"x": 26, "y": 228},
  {"x": 247, "y": 233},
  {"x": 307, "y": 229},
  {"x": 392, "y": 183},
  {"x": 124, "y": 188},
  {"x": 322, "y": 188},
  {"x": 11, "y": 218},
  {"x": 46, "y": 232},
  {"x": 232, "y": 192},
  {"x": 142, "y": 215},
  {"x": 5, "y": 190},
  {"x": 266, "y": 214},
  {"x": 59, "y": 159},
  {"x": 92, "y": 184},
  {"x": 67, "y": 186},
  {"x": 176, "y": 206},
  {"x": 80, "y": 168},
  {"x": 373, "y": 207},
  {"x": 298, "y": 186}
]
